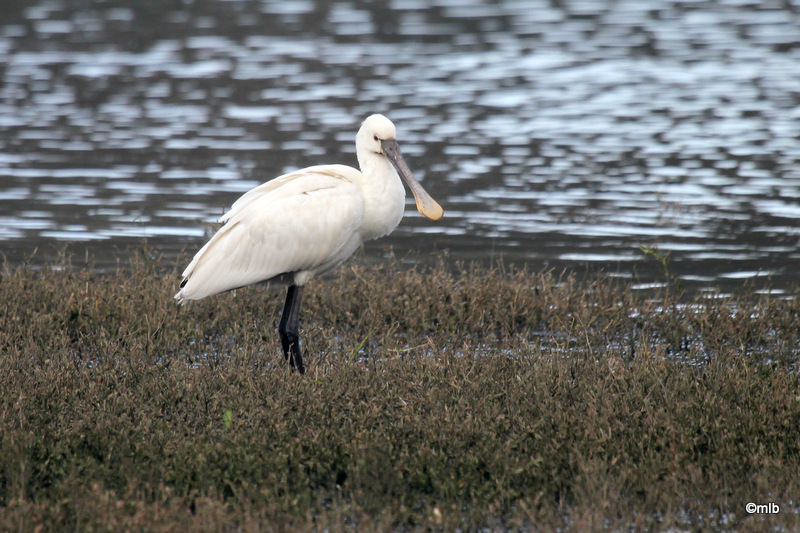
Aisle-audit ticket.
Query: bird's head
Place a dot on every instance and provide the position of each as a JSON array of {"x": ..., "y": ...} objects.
[
  {"x": 375, "y": 130},
  {"x": 378, "y": 135}
]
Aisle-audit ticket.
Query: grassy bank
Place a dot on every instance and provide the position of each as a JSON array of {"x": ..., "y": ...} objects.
[{"x": 443, "y": 398}]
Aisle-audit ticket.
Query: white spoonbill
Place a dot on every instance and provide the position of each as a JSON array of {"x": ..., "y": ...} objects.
[{"x": 306, "y": 223}]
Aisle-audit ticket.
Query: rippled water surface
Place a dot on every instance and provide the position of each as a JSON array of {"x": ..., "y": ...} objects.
[{"x": 555, "y": 133}]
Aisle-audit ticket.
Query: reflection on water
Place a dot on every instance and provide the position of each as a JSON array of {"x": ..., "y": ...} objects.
[{"x": 558, "y": 133}]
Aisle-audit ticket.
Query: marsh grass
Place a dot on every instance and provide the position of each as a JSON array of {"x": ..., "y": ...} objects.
[{"x": 439, "y": 398}]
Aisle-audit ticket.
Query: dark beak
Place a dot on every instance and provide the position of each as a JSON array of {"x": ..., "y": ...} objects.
[{"x": 426, "y": 205}]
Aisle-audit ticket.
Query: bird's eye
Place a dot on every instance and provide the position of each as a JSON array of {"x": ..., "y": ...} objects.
[{"x": 375, "y": 137}]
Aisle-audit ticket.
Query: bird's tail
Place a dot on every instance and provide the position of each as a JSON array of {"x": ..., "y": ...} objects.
[{"x": 180, "y": 295}]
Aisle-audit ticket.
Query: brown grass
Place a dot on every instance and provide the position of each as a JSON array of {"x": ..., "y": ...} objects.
[{"x": 439, "y": 398}]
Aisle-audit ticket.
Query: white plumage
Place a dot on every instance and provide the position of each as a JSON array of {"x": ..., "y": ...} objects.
[
  {"x": 308, "y": 222},
  {"x": 265, "y": 237}
]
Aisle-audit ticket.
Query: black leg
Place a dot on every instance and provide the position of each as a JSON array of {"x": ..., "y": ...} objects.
[{"x": 289, "y": 326}]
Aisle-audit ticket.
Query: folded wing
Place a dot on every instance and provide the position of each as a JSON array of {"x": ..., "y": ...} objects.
[{"x": 307, "y": 222}]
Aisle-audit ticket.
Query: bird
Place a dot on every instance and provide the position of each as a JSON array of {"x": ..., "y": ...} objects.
[{"x": 303, "y": 224}]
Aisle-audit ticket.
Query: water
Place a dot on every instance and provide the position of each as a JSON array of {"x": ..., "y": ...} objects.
[{"x": 561, "y": 134}]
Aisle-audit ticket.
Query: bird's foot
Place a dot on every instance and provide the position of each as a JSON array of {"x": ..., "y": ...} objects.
[{"x": 292, "y": 352}]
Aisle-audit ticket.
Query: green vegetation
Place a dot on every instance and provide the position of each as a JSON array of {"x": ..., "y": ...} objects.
[{"x": 436, "y": 398}]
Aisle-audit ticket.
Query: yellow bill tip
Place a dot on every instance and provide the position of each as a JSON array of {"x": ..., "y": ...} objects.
[{"x": 430, "y": 209}]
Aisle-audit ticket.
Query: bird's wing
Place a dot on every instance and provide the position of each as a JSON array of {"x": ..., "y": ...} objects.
[
  {"x": 308, "y": 221},
  {"x": 298, "y": 177}
]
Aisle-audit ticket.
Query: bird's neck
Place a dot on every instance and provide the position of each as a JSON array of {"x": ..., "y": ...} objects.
[
  {"x": 375, "y": 165},
  {"x": 384, "y": 195}
]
